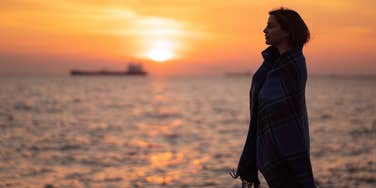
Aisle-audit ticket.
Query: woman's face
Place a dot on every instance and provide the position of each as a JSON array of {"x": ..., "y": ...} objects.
[{"x": 274, "y": 34}]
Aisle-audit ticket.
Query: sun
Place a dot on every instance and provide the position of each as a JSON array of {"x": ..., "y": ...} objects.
[
  {"x": 160, "y": 55},
  {"x": 161, "y": 51}
]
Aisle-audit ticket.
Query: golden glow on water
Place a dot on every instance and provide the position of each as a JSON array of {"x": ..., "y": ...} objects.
[
  {"x": 113, "y": 140},
  {"x": 197, "y": 164},
  {"x": 110, "y": 174},
  {"x": 166, "y": 159},
  {"x": 155, "y": 130},
  {"x": 143, "y": 144},
  {"x": 168, "y": 178},
  {"x": 167, "y": 133}
]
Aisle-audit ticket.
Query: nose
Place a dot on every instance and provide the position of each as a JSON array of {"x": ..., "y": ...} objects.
[{"x": 264, "y": 30}]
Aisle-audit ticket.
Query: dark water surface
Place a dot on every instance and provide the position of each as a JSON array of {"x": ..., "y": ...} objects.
[{"x": 168, "y": 132}]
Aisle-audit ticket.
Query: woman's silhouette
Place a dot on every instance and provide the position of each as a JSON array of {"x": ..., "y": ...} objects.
[{"x": 278, "y": 137}]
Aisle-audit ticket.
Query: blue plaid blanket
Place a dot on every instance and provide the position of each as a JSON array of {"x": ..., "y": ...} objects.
[{"x": 278, "y": 137}]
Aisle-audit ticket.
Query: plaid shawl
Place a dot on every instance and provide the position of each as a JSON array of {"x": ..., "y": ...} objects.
[{"x": 278, "y": 137}]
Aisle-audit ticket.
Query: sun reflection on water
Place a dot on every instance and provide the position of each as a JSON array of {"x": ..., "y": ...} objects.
[
  {"x": 166, "y": 159},
  {"x": 161, "y": 134}
]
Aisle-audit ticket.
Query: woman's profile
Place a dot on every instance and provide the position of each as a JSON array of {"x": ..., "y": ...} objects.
[{"x": 278, "y": 143}]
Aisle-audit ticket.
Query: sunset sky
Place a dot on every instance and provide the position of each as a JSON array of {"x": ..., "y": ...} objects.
[{"x": 177, "y": 37}]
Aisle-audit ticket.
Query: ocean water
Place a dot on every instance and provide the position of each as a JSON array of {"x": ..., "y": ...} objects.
[{"x": 169, "y": 131}]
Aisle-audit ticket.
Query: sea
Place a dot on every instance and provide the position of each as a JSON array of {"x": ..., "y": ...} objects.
[{"x": 169, "y": 132}]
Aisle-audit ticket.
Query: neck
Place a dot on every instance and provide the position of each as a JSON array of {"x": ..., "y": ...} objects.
[{"x": 283, "y": 47}]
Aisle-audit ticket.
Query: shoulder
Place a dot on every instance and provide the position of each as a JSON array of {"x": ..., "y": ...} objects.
[
  {"x": 291, "y": 70},
  {"x": 287, "y": 77}
]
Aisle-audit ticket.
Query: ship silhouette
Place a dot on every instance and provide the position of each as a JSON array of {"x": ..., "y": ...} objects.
[{"x": 133, "y": 70}]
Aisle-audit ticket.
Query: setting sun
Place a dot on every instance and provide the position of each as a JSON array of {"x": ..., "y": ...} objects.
[
  {"x": 161, "y": 51},
  {"x": 186, "y": 37}
]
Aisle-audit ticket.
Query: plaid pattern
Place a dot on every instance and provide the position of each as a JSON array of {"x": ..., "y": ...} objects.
[{"x": 278, "y": 138}]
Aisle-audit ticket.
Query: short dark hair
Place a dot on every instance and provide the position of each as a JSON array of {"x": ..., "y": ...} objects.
[{"x": 291, "y": 22}]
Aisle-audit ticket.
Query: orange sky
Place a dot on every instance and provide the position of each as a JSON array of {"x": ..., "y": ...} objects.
[{"x": 195, "y": 36}]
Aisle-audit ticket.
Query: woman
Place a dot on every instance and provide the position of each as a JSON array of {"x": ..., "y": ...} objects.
[{"x": 278, "y": 137}]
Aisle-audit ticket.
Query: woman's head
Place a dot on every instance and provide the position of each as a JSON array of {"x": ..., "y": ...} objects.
[{"x": 285, "y": 25}]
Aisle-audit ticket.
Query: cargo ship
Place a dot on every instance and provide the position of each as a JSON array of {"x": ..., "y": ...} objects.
[{"x": 133, "y": 70}]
